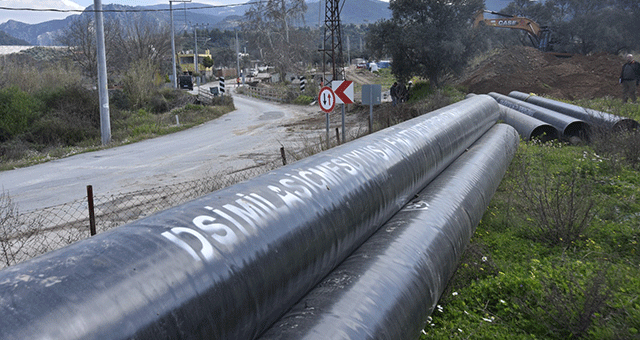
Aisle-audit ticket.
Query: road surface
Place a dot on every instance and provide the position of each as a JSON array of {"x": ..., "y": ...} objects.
[{"x": 243, "y": 138}]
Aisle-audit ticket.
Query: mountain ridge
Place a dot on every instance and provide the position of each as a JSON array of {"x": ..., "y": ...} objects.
[{"x": 223, "y": 17}]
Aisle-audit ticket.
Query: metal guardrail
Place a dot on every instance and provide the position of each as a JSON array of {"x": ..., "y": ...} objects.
[{"x": 271, "y": 94}]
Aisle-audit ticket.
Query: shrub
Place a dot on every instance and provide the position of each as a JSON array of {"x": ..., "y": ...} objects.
[
  {"x": 9, "y": 245},
  {"x": 558, "y": 204},
  {"x": 18, "y": 110},
  {"x": 573, "y": 296},
  {"x": 303, "y": 100},
  {"x": 619, "y": 147},
  {"x": 420, "y": 90},
  {"x": 223, "y": 101},
  {"x": 140, "y": 83},
  {"x": 158, "y": 104},
  {"x": 176, "y": 98},
  {"x": 72, "y": 117},
  {"x": 13, "y": 150},
  {"x": 118, "y": 99}
]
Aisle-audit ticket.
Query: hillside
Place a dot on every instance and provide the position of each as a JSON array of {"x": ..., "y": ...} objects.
[
  {"x": 37, "y": 34},
  {"x": 526, "y": 69},
  {"x": 7, "y": 40},
  {"x": 45, "y": 33}
]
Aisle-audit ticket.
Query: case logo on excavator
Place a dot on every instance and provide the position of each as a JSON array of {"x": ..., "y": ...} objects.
[{"x": 507, "y": 22}]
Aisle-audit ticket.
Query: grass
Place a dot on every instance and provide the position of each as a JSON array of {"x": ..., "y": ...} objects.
[
  {"x": 126, "y": 127},
  {"x": 527, "y": 275}
]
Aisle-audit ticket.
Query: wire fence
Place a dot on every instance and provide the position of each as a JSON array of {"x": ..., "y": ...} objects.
[{"x": 27, "y": 235}]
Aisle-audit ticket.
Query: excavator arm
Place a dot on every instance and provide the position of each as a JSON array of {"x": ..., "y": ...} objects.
[
  {"x": 508, "y": 21},
  {"x": 539, "y": 36}
]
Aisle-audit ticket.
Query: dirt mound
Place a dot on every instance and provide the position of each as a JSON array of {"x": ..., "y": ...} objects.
[{"x": 528, "y": 70}]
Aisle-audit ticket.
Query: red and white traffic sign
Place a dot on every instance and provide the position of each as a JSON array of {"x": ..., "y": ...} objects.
[
  {"x": 326, "y": 99},
  {"x": 343, "y": 89}
]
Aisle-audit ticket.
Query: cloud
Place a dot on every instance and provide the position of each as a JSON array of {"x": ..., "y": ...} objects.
[{"x": 32, "y": 17}]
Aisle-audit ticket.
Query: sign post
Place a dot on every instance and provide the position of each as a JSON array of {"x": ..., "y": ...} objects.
[
  {"x": 371, "y": 95},
  {"x": 343, "y": 90},
  {"x": 327, "y": 102}
]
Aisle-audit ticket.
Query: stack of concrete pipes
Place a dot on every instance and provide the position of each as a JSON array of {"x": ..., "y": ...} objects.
[
  {"x": 545, "y": 119},
  {"x": 357, "y": 242}
]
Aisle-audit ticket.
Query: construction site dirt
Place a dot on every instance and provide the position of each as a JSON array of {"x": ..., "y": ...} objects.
[{"x": 528, "y": 70}]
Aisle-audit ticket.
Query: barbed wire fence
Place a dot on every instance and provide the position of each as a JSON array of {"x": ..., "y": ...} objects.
[{"x": 27, "y": 235}]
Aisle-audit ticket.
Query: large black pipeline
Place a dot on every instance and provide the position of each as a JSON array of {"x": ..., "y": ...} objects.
[
  {"x": 566, "y": 125},
  {"x": 527, "y": 126},
  {"x": 229, "y": 264},
  {"x": 389, "y": 286},
  {"x": 593, "y": 117}
]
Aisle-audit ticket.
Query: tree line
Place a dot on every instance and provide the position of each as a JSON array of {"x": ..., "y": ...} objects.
[
  {"x": 586, "y": 26},
  {"x": 431, "y": 39},
  {"x": 434, "y": 38}
]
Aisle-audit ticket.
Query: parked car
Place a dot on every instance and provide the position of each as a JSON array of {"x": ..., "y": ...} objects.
[
  {"x": 185, "y": 82},
  {"x": 384, "y": 64}
]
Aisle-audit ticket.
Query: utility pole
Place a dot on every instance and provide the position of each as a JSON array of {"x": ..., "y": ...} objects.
[
  {"x": 196, "y": 57},
  {"x": 173, "y": 41},
  {"x": 237, "y": 56},
  {"x": 332, "y": 43},
  {"x": 173, "y": 47},
  {"x": 103, "y": 92},
  {"x": 348, "y": 51}
]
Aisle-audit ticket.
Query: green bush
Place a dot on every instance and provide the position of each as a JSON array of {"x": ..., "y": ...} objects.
[
  {"x": 303, "y": 100},
  {"x": 71, "y": 117},
  {"x": 119, "y": 100},
  {"x": 420, "y": 91},
  {"x": 226, "y": 101},
  {"x": 140, "y": 84},
  {"x": 158, "y": 104},
  {"x": 18, "y": 110}
]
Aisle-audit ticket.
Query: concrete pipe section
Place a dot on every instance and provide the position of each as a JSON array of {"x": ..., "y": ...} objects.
[
  {"x": 229, "y": 264},
  {"x": 390, "y": 285},
  {"x": 595, "y": 118},
  {"x": 568, "y": 127}
]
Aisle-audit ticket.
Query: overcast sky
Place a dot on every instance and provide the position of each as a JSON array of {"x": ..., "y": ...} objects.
[{"x": 32, "y": 17}]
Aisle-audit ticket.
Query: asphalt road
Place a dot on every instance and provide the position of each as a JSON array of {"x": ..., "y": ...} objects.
[{"x": 242, "y": 138}]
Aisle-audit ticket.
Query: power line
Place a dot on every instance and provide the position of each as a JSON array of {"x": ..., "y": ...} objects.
[{"x": 121, "y": 10}]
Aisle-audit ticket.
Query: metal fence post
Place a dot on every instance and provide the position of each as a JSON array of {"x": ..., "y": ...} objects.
[
  {"x": 92, "y": 213},
  {"x": 284, "y": 156}
]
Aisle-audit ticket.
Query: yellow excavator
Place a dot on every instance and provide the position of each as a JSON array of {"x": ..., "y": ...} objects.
[{"x": 538, "y": 35}]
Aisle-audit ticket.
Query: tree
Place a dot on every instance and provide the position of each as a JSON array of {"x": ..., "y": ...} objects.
[
  {"x": 143, "y": 40},
  {"x": 80, "y": 38},
  {"x": 271, "y": 25},
  {"x": 585, "y": 26},
  {"x": 207, "y": 62},
  {"x": 427, "y": 38}
]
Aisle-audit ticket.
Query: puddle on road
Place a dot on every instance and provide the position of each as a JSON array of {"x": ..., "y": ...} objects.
[{"x": 271, "y": 115}]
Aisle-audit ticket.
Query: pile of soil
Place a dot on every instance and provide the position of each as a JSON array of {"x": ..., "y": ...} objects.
[{"x": 528, "y": 70}]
